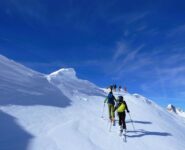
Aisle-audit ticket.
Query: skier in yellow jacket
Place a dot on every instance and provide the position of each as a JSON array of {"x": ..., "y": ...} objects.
[{"x": 121, "y": 107}]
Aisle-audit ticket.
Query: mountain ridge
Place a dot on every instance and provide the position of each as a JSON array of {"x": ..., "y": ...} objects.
[{"x": 47, "y": 112}]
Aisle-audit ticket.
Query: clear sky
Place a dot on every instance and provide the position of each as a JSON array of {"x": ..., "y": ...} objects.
[{"x": 137, "y": 43}]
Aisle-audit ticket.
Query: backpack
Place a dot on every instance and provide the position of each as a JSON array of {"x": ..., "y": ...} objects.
[
  {"x": 121, "y": 108},
  {"x": 111, "y": 99}
]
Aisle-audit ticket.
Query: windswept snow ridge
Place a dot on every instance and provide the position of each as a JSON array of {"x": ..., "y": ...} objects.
[
  {"x": 62, "y": 112},
  {"x": 22, "y": 86},
  {"x": 67, "y": 81}
]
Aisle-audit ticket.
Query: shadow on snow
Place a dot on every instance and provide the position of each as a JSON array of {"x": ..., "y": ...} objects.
[
  {"x": 141, "y": 122},
  {"x": 12, "y": 135},
  {"x": 38, "y": 91},
  {"x": 141, "y": 133}
]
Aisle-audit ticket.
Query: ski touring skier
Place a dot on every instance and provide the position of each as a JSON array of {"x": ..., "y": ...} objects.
[
  {"x": 119, "y": 88},
  {"x": 110, "y": 100},
  {"x": 114, "y": 87},
  {"x": 121, "y": 107},
  {"x": 111, "y": 87},
  {"x": 125, "y": 89}
]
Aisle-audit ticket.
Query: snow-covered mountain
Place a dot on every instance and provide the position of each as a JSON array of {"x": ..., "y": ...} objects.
[
  {"x": 22, "y": 86},
  {"x": 62, "y": 112},
  {"x": 66, "y": 78},
  {"x": 171, "y": 108}
]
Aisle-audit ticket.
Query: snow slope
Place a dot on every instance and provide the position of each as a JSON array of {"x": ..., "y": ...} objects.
[
  {"x": 61, "y": 112},
  {"x": 66, "y": 80},
  {"x": 172, "y": 109},
  {"x": 22, "y": 86},
  {"x": 180, "y": 112}
]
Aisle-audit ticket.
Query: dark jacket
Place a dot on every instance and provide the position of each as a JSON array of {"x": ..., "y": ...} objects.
[{"x": 110, "y": 99}]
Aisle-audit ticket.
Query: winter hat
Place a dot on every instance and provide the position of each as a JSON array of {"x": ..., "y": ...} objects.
[{"x": 120, "y": 98}]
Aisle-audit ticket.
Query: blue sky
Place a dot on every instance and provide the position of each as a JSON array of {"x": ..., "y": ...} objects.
[{"x": 139, "y": 44}]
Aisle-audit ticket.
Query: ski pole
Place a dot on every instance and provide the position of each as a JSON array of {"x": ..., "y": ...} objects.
[
  {"x": 103, "y": 111},
  {"x": 132, "y": 122}
]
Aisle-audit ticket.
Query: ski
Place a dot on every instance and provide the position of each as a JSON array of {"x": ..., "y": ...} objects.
[
  {"x": 110, "y": 126},
  {"x": 114, "y": 122},
  {"x": 121, "y": 133},
  {"x": 125, "y": 136}
]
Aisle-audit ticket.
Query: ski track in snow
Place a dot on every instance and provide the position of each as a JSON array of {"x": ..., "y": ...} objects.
[{"x": 65, "y": 114}]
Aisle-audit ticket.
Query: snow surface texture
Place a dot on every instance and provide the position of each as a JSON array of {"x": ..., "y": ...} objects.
[{"x": 61, "y": 112}]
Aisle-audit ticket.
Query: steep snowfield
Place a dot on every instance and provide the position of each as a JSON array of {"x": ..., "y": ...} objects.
[
  {"x": 61, "y": 112},
  {"x": 22, "y": 86}
]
